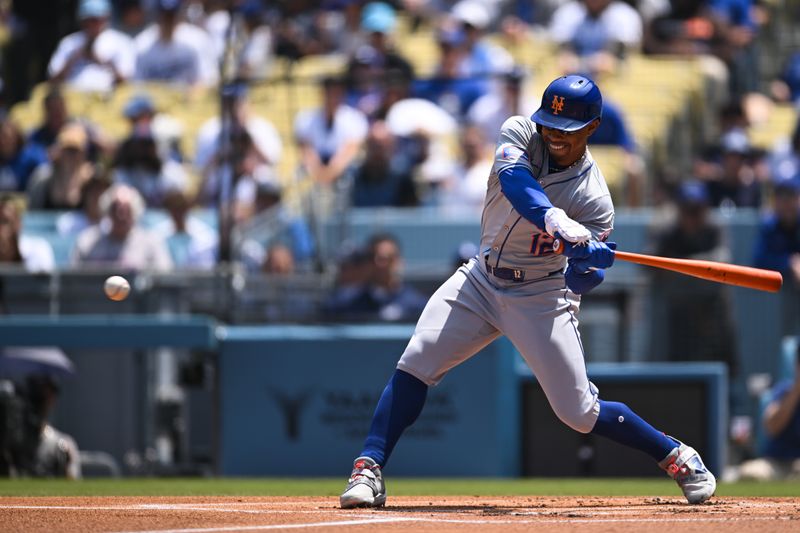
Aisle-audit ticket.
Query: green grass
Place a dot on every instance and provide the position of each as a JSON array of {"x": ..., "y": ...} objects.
[{"x": 397, "y": 487}]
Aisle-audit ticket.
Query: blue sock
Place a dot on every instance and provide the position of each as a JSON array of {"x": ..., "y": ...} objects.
[
  {"x": 618, "y": 423},
  {"x": 400, "y": 405}
]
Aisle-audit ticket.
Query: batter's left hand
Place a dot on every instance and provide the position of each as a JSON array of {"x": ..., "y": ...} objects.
[{"x": 595, "y": 255}]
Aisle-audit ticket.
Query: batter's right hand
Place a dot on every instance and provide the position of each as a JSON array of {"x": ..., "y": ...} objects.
[
  {"x": 556, "y": 221},
  {"x": 594, "y": 256}
]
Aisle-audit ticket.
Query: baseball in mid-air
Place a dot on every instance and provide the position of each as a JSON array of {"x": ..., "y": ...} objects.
[{"x": 117, "y": 288}]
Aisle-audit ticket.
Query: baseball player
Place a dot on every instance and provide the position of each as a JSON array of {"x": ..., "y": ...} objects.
[{"x": 543, "y": 185}]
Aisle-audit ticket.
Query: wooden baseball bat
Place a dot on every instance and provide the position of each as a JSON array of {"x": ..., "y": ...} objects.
[{"x": 741, "y": 276}]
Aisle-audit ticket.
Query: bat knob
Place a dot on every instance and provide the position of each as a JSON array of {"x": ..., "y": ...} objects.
[{"x": 558, "y": 247}]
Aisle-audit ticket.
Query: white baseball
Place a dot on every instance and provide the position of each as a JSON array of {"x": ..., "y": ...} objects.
[{"x": 117, "y": 288}]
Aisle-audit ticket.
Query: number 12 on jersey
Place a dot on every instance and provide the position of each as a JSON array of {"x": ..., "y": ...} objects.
[{"x": 541, "y": 244}]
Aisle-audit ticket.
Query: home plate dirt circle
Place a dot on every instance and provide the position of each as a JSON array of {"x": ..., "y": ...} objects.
[{"x": 422, "y": 513}]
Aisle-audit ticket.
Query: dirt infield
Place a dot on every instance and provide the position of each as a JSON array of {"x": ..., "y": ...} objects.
[{"x": 439, "y": 514}]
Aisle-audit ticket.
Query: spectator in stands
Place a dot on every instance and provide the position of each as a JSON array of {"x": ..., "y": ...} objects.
[
  {"x": 449, "y": 88},
  {"x": 786, "y": 88},
  {"x": 784, "y": 161},
  {"x": 253, "y": 149},
  {"x": 733, "y": 181},
  {"x": 278, "y": 261},
  {"x": 70, "y": 223},
  {"x": 384, "y": 297},
  {"x": 614, "y": 131},
  {"x": 171, "y": 50},
  {"x": 467, "y": 188},
  {"x": 595, "y": 34},
  {"x": 353, "y": 267},
  {"x": 518, "y": 14},
  {"x": 192, "y": 243},
  {"x": 396, "y": 87},
  {"x": 375, "y": 58},
  {"x": 255, "y": 56},
  {"x": 778, "y": 247},
  {"x": 684, "y": 27},
  {"x": 140, "y": 111},
  {"x": 55, "y": 117},
  {"x": 482, "y": 58},
  {"x": 343, "y": 24},
  {"x": 58, "y": 184},
  {"x": 138, "y": 161},
  {"x": 97, "y": 57},
  {"x": 132, "y": 16},
  {"x": 366, "y": 81},
  {"x": 299, "y": 30},
  {"x": 17, "y": 160},
  {"x": 781, "y": 421},
  {"x": 693, "y": 332},
  {"x": 33, "y": 253},
  {"x": 738, "y": 22},
  {"x": 492, "y": 109},
  {"x": 720, "y": 32},
  {"x": 32, "y": 447},
  {"x": 120, "y": 243},
  {"x": 271, "y": 222},
  {"x": 384, "y": 176},
  {"x": 330, "y": 137},
  {"x": 213, "y": 16}
]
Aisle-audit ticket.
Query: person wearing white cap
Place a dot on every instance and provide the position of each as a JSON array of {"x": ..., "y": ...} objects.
[
  {"x": 594, "y": 34},
  {"x": 482, "y": 58},
  {"x": 97, "y": 57}
]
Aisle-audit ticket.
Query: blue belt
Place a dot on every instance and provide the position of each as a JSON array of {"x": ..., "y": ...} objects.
[{"x": 512, "y": 274}]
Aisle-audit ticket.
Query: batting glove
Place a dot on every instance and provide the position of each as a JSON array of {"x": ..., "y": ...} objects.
[
  {"x": 557, "y": 221},
  {"x": 594, "y": 256},
  {"x": 583, "y": 283}
]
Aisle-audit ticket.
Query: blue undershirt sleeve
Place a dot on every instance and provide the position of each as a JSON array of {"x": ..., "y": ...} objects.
[{"x": 525, "y": 194}]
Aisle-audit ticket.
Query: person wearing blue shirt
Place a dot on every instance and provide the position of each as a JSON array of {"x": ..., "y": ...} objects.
[
  {"x": 735, "y": 12},
  {"x": 778, "y": 244},
  {"x": 788, "y": 83},
  {"x": 739, "y": 29},
  {"x": 613, "y": 129},
  {"x": 17, "y": 160},
  {"x": 780, "y": 455},
  {"x": 778, "y": 248},
  {"x": 384, "y": 296},
  {"x": 449, "y": 88}
]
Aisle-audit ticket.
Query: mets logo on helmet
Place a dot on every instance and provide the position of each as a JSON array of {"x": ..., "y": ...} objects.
[{"x": 558, "y": 104}]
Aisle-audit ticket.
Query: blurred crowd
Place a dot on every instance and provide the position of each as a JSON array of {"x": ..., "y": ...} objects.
[
  {"x": 390, "y": 130},
  {"x": 384, "y": 134}
]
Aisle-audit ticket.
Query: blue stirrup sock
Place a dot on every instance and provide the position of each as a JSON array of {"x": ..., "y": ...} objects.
[
  {"x": 400, "y": 405},
  {"x": 618, "y": 423}
]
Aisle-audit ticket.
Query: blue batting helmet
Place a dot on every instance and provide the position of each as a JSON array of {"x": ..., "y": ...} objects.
[{"x": 569, "y": 103}]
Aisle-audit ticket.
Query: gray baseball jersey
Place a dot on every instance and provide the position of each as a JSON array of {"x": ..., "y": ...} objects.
[
  {"x": 539, "y": 314},
  {"x": 512, "y": 241}
]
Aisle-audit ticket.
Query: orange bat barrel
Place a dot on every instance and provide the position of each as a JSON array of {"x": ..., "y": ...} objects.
[{"x": 741, "y": 276}]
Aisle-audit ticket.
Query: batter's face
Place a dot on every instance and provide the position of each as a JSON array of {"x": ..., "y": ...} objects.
[{"x": 566, "y": 147}]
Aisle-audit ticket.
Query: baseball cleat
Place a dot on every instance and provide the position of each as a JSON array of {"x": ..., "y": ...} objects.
[
  {"x": 684, "y": 465},
  {"x": 365, "y": 487}
]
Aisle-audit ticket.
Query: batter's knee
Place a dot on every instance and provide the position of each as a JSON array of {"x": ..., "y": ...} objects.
[{"x": 580, "y": 417}]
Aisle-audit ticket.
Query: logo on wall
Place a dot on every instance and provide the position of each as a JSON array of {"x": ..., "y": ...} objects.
[{"x": 291, "y": 406}]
